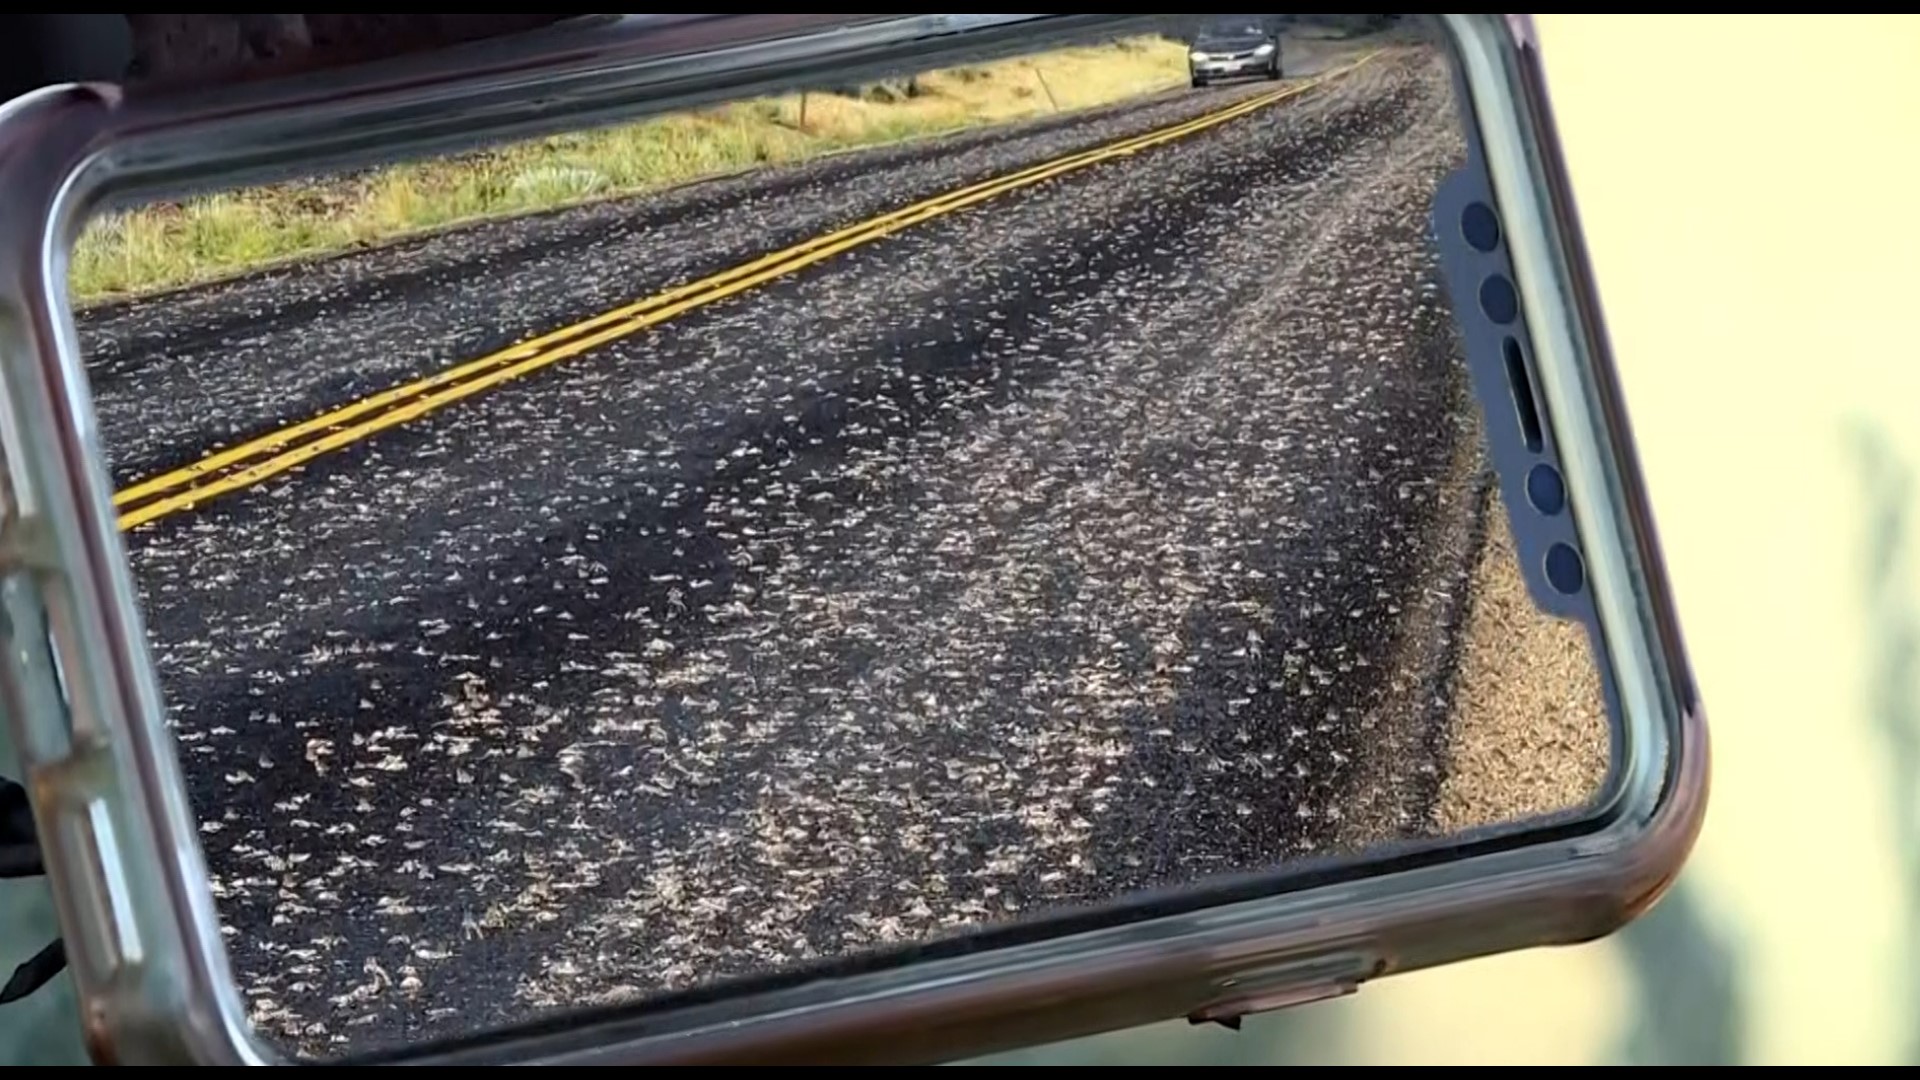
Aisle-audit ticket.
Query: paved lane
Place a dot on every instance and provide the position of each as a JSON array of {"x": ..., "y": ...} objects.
[{"x": 1046, "y": 551}]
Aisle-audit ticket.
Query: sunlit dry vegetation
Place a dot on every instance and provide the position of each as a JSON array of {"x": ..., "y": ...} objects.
[{"x": 168, "y": 245}]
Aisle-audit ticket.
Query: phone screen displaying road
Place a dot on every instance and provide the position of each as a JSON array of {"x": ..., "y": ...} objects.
[{"x": 611, "y": 564}]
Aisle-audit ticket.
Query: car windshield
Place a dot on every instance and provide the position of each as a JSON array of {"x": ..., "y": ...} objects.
[{"x": 1232, "y": 28}]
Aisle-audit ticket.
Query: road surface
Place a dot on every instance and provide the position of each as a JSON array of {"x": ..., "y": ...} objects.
[{"x": 1095, "y": 537}]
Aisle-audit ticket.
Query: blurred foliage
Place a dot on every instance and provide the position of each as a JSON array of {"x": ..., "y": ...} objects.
[
  {"x": 1894, "y": 631},
  {"x": 1686, "y": 1003}
]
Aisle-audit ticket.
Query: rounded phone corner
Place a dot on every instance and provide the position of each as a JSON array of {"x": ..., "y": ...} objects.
[
  {"x": 1663, "y": 846},
  {"x": 1653, "y": 809}
]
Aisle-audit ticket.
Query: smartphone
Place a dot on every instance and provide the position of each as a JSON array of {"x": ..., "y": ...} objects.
[{"x": 750, "y": 539}]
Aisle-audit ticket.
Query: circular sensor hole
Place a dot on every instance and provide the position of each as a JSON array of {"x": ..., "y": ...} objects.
[
  {"x": 1480, "y": 226},
  {"x": 1545, "y": 490},
  {"x": 1565, "y": 570},
  {"x": 1498, "y": 300}
]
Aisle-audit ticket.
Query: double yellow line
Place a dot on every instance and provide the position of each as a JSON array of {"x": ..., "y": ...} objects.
[{"x": 256, "y": 460}]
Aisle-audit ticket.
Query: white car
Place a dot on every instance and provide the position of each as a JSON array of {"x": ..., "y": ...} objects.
[{"x": 1232, "y": 48}]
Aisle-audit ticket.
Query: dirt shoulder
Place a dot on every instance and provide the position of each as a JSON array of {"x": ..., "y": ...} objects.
[{"x": 1529, "y": 734}]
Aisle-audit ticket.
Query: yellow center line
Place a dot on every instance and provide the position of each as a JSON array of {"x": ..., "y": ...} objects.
[{"x": 415, "y": 399}]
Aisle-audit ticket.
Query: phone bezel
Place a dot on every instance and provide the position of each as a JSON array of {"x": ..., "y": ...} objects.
[{"x": 148, "y": 959}]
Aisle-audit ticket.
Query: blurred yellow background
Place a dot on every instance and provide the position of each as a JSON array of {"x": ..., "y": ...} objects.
[{"x": 1750, "y": 187}]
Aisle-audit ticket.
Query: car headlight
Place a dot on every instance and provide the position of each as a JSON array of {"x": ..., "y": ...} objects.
[
  {"x": 1264, "y": 50},
  {"x": 1197, "y": 57}
]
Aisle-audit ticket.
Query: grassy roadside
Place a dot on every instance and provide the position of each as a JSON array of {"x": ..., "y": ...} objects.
[{"x": 169, "y": 245}]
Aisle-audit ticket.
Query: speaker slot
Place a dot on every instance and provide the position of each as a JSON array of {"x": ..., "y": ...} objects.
[{"x": 1522, "y": 395}]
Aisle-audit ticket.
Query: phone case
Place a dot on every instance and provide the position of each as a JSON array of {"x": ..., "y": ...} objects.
[{"x": 84, "y": 709}]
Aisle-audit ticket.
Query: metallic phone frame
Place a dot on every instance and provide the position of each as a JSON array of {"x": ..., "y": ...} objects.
[{"x": 80, "y": 692}]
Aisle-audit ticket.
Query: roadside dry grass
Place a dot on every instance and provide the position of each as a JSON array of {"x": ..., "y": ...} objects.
[
  {"x": 165, "y": 246},
  {"x": 1530, "y": 733}
]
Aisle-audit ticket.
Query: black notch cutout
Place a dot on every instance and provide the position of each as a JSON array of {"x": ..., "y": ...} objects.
[
  {"x": 1545, "y": 490},
  {"x": 1498, "y": 300},
  {"x": 1523, "y": 396},
  {"x": 1565, "y": 569},
  {"x": 1480, "y": 226}
]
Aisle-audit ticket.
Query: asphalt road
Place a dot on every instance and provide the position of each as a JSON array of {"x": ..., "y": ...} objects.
[{"x": 1070, "y": 544}]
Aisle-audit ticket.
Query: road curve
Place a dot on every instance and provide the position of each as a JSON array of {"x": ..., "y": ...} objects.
[{"x": 1049, "y": 550}]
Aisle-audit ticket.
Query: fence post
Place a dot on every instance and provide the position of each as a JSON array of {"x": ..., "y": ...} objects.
[{"x": 1042, "y": 76}]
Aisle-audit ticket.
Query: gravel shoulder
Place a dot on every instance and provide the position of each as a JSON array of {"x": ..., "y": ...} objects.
[{"x": 1529, "y": 734}]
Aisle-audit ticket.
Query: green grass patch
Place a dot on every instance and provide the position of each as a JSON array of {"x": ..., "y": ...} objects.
[{"x": 164, "y": 246}]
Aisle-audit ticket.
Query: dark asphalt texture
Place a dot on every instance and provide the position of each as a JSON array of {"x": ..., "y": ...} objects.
[{"x": 1053, "y": 549}]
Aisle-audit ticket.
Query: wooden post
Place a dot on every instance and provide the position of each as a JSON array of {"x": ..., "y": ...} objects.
[
  {"x": 1042, "y": 76},
  {"x": 803, "y": 110}
]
